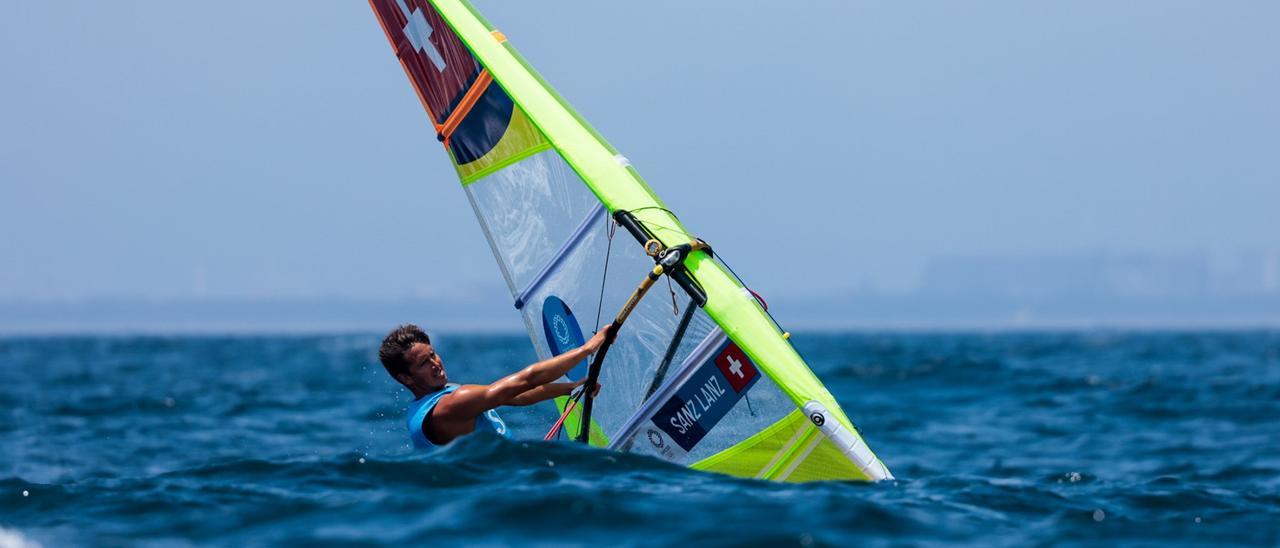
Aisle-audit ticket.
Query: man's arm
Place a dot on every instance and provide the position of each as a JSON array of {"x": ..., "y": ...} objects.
[
  {"x": 543, "y": 393},
  {"x": 469, "y": 401},
  {"x": 549, "y": 391}
]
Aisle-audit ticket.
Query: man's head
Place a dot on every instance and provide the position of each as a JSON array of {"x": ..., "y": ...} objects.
[{"x": 410, "y": 359}]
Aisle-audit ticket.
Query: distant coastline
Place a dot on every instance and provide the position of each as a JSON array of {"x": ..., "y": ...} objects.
[{"x": 861, "y": 311}]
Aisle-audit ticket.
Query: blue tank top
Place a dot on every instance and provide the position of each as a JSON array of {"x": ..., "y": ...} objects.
[{"x": 420, "y": 409}]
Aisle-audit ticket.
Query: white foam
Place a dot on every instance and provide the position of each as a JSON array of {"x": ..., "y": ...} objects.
[{"x": 14, "y": 539}]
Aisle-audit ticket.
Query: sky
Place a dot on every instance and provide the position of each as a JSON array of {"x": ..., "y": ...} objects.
[{"x": 263, "y": 149}]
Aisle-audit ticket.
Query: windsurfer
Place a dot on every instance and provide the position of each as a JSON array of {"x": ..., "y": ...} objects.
[{"x": 441, "y": 411}]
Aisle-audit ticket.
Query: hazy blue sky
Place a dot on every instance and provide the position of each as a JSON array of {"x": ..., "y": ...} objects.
[{"x": 256, "y": 148}]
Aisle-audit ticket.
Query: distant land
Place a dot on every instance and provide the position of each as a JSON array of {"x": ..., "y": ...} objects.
[
  {"x": 862, "y": 311},
  {"x": 1081, "y": 291}
]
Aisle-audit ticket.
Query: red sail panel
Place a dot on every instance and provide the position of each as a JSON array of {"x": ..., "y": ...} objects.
[{"x": 441, "y": 67}]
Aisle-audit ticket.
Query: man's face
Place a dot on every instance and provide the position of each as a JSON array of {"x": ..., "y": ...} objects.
[{"x": 425, "y": 369}]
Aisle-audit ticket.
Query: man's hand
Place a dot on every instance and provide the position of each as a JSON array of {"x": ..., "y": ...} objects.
[
  {"x": 595, "y": 392},
  {"x": 598, "y": 339}
]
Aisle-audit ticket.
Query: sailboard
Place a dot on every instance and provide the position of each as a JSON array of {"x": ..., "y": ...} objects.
[{"x": 700, "y": 374}]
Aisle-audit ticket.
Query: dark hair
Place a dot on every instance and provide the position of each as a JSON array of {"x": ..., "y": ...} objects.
[{"x": 396, "y": 345}]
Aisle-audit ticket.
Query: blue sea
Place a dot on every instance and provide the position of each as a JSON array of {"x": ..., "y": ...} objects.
[{"x": 1108, "y": 437}]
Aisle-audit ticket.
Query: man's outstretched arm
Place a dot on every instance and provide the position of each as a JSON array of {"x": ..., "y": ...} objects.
[
  {"x": 548, "y": 391},
  {"x": 543, "y": 393},
  {"x": 473, "y": 399}
]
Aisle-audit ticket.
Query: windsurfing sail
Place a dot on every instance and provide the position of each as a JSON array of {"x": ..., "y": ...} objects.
[{"x": 700, "y": 375}]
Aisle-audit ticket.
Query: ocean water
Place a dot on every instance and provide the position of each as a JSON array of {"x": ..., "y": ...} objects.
[{"x": 1113, "y": 438}]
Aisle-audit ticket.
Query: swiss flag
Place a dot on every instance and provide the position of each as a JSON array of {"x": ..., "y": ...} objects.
[
  {"x": 441, "y": 67},
  {"x": 736, "y": 367}
]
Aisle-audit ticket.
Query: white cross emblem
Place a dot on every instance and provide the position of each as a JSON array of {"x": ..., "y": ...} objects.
[
  {"x": 735, "y": 367},
  {"x": 418, "y": 31}
]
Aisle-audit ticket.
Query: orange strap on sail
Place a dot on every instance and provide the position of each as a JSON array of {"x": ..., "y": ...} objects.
[{"x": 464, "y": 106}]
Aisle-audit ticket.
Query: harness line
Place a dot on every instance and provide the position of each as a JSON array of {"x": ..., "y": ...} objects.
[{"x": 555, "y": 428}]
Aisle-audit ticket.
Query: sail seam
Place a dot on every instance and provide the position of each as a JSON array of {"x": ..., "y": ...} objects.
[
  {"x": 565, "y": 248},
  {"x": 799, "y": 459},
  {"x": 504, "y": 163},
  {"x": 809, "y": 431},
  {"x": 782, "y": 451}
]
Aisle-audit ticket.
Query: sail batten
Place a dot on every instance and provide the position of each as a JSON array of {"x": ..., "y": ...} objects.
[{"x": 594, "y": 217}]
